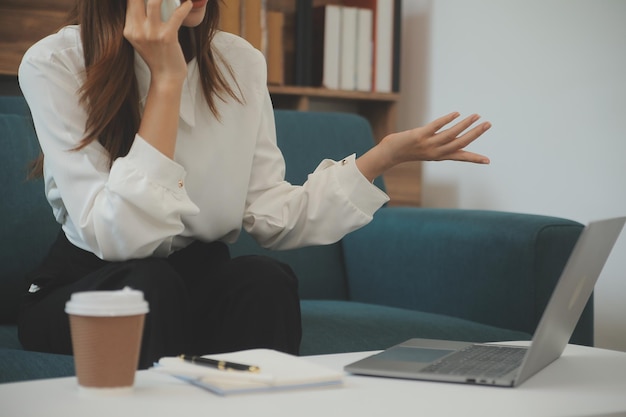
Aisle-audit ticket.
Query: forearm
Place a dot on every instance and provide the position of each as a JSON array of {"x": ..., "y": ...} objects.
[
  {"x": 334, "y": 200},
  {"x": 159, "y": 124},
  {"x": 157, "y": 44}
]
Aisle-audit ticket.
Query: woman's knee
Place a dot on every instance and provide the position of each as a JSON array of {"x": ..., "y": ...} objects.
[
  {"x": 163, "y": 288},
  {"x": 143, "y": 274},
  {"x": 261, "y": 302},
  {"x": 263, "y": 272}
]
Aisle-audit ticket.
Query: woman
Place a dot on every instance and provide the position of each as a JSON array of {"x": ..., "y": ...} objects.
[{"x": 158, "y": 145}]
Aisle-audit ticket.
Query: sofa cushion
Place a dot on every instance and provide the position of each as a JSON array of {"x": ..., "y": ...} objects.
[
  {"x": 21, "y": 365},
  {"x": 341, "y": 326},
  {"x": 501, "y": 266},
  {"x": 8, "y": 337},
  {"x": 14, "y": 105},
  {"x": 28, "y": 226}
]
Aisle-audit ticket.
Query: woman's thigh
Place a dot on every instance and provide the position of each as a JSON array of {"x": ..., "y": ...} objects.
[
  {"x": 252, "y": 303},
  {"x": 44, "y": 325}
]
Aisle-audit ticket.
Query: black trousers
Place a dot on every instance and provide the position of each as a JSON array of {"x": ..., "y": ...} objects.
[{"x": 201, "y": 301}]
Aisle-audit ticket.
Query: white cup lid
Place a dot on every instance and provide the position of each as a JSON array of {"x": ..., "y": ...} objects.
[{"x": 125, "y": 302}]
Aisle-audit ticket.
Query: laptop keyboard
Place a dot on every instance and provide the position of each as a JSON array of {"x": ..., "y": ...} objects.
[{"x": 479, "y": 360}]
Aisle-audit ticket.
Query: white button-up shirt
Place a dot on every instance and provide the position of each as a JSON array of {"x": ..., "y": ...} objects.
[{"x": 225, "y": 173}]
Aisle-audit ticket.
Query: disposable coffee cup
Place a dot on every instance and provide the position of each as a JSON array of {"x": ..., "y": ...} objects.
[{"x": 106, "y": 328}]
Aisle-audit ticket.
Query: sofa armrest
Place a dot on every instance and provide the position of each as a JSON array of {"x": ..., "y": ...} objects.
[{"x": 491, "y": 267}]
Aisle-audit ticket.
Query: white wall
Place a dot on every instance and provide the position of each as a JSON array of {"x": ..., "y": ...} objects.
[{"x": 550, "y": 76}]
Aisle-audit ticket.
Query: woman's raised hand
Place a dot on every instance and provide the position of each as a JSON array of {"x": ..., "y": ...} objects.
[
  {"x": 157, "y": 41},
  {"x": 431, "y": 142}
]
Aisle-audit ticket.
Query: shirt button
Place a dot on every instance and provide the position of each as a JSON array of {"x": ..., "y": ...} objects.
[
  {"x": 180, "y": 183},
  {"x": 343, "y": 162}
]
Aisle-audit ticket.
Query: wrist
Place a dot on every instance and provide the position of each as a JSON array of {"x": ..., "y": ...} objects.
[
  {"x": 375, "y": 162},
  {"x": 166, "y": 85}
]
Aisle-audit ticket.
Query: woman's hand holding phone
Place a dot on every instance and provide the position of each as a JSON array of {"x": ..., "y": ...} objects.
[
  {"x": 157, "y": 40},
  {"x": 157, "y": 43}
]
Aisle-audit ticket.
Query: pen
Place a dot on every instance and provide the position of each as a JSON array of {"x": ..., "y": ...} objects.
[{"x": 222, "y": 365}]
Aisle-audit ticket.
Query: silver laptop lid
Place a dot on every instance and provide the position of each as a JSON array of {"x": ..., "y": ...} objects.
[{"x": 571, "y": 294}]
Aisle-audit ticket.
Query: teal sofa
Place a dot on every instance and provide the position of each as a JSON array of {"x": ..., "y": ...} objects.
[{"x": 412, "y": 272}]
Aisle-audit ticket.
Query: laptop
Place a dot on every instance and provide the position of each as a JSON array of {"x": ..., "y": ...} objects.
[{"x": 498, "y": 364}]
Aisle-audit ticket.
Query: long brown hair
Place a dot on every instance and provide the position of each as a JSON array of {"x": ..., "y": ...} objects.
[{"x": 112, "y": 103}]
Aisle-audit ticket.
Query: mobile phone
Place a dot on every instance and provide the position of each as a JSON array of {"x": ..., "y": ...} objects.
[{"x": 167, "y": 8}]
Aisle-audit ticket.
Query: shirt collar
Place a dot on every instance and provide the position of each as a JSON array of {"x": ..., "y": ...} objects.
[{"x": 190, "y": 88}]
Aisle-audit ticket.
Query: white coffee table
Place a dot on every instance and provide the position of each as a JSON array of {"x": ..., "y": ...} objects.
[{"x": 583, "y": 382}]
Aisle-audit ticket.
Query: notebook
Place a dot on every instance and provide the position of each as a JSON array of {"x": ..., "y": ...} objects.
[
  {"x": 277, "y": 371},
  {"x": 505, "y": 365}
]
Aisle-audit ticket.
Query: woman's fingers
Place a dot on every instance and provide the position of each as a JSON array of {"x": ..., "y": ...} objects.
[
  {"x": 451, "y": 133},
  {"x": 153, "y": 10},
  {"x": 473, "y": 134},
  {"x": 180, "y": 13},
  {"x": 452, "y": 147},
  {"x": 436, "y": 141},
  {"x": 136, "y": 9},
  {"x": 465, "y": 156},
  {"x": 437, "y": 124}
]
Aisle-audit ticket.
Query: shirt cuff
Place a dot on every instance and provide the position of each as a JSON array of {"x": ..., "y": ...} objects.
[
  {"x": 362, "y": 193},
  {"x": 156, "y": 166}
]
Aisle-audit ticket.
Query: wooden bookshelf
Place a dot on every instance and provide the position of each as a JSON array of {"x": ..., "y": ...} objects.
[{"x": 22, "y": 23}]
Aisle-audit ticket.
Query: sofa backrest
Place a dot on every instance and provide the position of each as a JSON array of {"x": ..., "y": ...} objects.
[{"x": 28, "y": 227}]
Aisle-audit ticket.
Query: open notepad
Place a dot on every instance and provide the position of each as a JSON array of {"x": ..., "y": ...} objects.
[{"x": 277, "y": 371}]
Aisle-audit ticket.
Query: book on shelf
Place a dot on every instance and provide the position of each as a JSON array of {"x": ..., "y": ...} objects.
[
  {"x": 303, "y": 44},
  {"x": 326, "y": 58},
  {"x": 336, "y": 44},
  {"x": 253, "y": 24},
  {"x": 382, "y": 39},
  {"x": 276, "y": 371},
  {"x": 263, "y": 28},
  {"x": 230, "y": 17},
  {"x": 364, "y": 49},
  {"x": 348, "y": 48},
  {"x": 397, "y": 44},
  {"x": 342, "y": 56},
  {"x": 275, "y": 54},
  {"x": 384, "y": 49}
]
